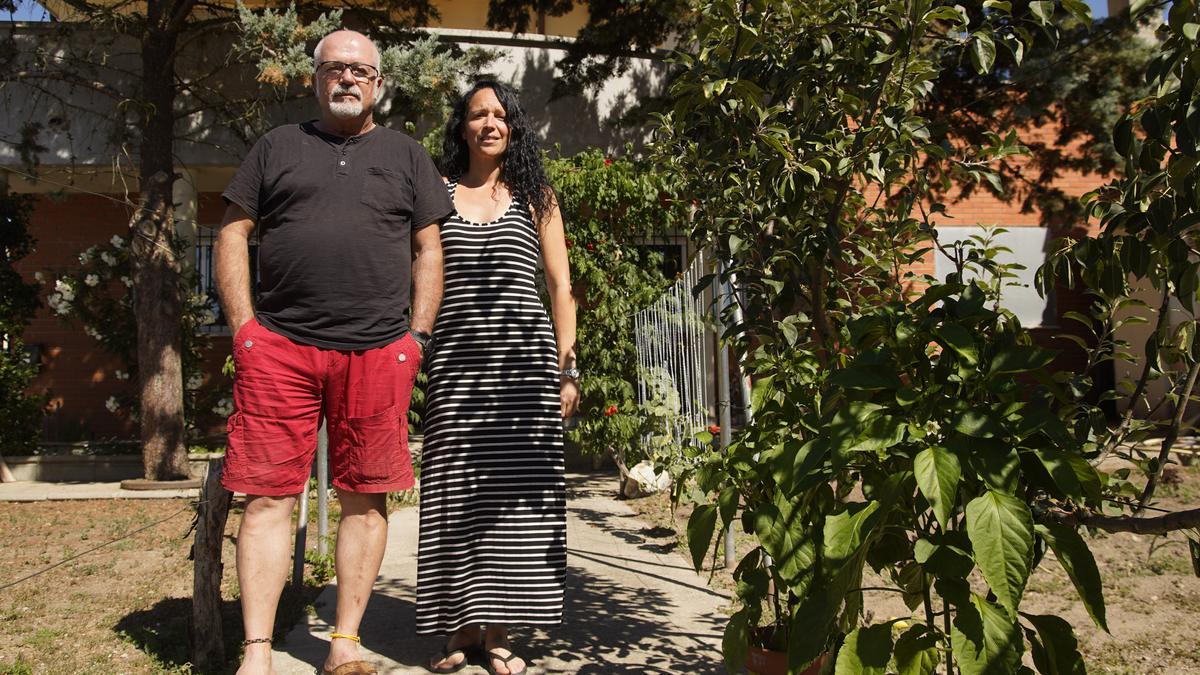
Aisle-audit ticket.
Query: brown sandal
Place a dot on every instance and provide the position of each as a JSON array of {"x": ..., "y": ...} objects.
[{"x": 352, "y": 668}]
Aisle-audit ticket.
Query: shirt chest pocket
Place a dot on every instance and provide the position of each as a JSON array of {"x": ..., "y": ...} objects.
[{"x": 387, "y": 192}]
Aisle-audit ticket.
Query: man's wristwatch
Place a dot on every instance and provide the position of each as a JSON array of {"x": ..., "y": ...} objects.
[
  {"x": 423, "y": 339},
  {"x": 569, "y": 373}
]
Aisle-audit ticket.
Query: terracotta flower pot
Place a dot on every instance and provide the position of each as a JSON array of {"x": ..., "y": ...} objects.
[{"x": 761, "y": 661}]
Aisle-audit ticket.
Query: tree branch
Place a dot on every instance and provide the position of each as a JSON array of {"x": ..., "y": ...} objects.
[
  {"x": 1172, "y": 434},
  {"x": 1171, "y": 522}
]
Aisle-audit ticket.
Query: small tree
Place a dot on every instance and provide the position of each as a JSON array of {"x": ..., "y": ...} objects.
[
  {"x": 901, "y": 422},
  {"x": 20, "y": 413}
]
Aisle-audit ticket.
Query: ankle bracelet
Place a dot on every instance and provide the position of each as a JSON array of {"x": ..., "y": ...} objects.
[
  {"x": 255, "y": 641},
  {"x": 355, "y": 638}
]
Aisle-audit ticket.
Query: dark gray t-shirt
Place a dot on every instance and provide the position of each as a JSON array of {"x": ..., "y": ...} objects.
[{"x": 335, "y": 218}]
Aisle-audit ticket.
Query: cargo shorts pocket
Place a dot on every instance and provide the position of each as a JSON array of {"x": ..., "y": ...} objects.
[{"x": 374, "y": 447}]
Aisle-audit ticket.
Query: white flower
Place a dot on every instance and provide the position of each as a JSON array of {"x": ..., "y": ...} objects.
[
  {"x": 224, "y": 407},
  {"x": 93, "y": 333},
  {"x": 127, "y": 281},
  {"x": 59, "y": 304},
  {"x": 65, "y": 290},
  {"x": 194, "y": 381},
  {"x": 120, "y": 375},
  {"x": 117, "y": 242},
  {"x": 108, "y": 258},
  {"x": 41, "y": 278},
  {"x": 92, "y": 280},
  {"x": 112, "y": 405}
]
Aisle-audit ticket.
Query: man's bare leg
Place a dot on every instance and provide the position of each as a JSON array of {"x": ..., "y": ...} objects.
[
  {"x": 361, "y": 540},
  {"x": 263, "y": 548}
]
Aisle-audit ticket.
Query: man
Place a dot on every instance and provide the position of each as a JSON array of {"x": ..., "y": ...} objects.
[{"x": 343, "y": 207}]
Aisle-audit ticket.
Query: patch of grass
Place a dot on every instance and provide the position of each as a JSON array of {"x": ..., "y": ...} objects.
[
  {"x": 18, "y": 667},
  {"x": 43, "y": 639}
]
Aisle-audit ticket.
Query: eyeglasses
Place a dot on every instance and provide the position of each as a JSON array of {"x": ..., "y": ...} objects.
[{"x": 361, "y": 71}]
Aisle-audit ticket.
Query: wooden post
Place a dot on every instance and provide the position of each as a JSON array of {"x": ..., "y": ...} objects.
[{"x": 208, "y": 643}]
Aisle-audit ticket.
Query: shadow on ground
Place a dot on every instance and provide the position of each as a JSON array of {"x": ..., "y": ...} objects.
[{"x": 163, "y": 630}]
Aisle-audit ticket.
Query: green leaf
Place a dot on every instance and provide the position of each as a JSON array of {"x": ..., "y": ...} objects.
[
  {"x": 1021, "y": 359},
  {"x": 983, "y": 52},
  {"x": 1080, "y": 10},
  {"x": 1076, "y": 558},
  {"x": 986, "y": 639},
  {"x": 976, "y": 423},
  {"x": 958, "y": 339},
  {"x": 845, "y": 531},
  {"x": 700, "y": 528},
  {"x": 727, "y": 504},
  {"x": 785, "y": 536},
  {"x": 952, "y": 13},
  {"x": 1058, "y": 465},
  {"x": 998, "y": 5},
  {"x": 938, "y": 472},
  {"x": 736, "y": 642},
  {"x": 1000, "y": 527},
  {"x": 916, "y": 651},
  {"x": 1042, "y": 10},
  {"x": 812, "y": 621},
  {"x": 866, "y": 378},
  {"x": 866, "y": 651},
  {"x": 1055, "y": 649},
  {"x": 1138, "y": 6}
]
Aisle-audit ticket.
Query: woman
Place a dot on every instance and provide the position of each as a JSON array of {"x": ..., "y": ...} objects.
[{"x": 493, "y": 505}]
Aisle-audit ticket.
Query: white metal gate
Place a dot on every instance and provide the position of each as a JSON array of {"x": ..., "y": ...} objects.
[{"x": 671, "y": 361}]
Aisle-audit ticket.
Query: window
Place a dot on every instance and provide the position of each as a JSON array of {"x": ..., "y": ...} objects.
[
  {"x": 1027, "y": 247},
  {"x": 206, "y": 238}
]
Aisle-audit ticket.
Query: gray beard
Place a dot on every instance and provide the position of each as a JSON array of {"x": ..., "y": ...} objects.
[{"x": 346, "y": 109}]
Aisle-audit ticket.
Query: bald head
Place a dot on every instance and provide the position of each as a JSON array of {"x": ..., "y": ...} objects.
[{"x": 347, "y": 41}]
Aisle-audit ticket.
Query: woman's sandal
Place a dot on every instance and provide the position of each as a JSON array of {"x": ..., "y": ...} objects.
[
  {"x": 491, "y": 655},
  {"x": 447, "y": 653}
]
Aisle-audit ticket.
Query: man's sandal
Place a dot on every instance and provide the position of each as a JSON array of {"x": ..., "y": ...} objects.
[
  {"x": 491, "y": 655},
  {"x": 350, "y": 667},
  {"x": 447, "y": 653}
]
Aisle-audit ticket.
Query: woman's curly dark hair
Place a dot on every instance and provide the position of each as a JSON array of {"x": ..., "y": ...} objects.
[{"x": 522, "y": 169}]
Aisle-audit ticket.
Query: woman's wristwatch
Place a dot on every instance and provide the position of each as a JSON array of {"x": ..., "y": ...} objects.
[{"x": 569, "y": 373}]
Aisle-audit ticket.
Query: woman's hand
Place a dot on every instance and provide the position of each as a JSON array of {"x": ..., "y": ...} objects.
[{"x": 570, "y": 397}]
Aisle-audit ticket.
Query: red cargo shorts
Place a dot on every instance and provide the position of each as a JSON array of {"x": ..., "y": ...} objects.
[{"x": 280, "y": 390}]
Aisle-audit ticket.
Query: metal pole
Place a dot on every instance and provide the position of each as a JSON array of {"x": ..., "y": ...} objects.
[
  {"x": 322, "y": 489},
  {"x": 301, "y": 536},
  {"x": 723, "y": 403}
]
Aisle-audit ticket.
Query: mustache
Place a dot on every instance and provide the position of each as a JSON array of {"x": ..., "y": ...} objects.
[{"x": 341, "y": 89}]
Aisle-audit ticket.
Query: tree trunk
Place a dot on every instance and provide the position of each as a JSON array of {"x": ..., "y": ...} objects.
[
  {"x": 158, "y": 304},
  {"x": 208, "y": 642}
]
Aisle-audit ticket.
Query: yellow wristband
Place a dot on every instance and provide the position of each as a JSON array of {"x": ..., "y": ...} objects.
[{"x": 345, "y": 637}]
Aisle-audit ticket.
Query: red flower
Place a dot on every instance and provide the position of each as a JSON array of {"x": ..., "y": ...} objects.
[
  {"x": 608, "y": 161},
  {"x": 714, "y": 429},
  {"x": 591, "y": 247},
  {"x": 610, "y": 411},
  {"x": 569, "y": 244}
]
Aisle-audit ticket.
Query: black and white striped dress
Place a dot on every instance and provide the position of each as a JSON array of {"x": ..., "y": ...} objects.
[{"x": 493, "y": 499}]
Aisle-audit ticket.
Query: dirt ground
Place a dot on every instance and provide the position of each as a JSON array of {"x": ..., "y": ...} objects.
[
  {"x": 1151, "y": 593},
  {"x": 124, "y": 608}
]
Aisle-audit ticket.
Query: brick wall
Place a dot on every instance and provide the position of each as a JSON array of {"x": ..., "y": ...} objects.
[{"x": 76, "y": 374}]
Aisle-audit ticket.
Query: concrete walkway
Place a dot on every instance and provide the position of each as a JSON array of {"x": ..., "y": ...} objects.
[
  {"x": 35, "y": 491},
  {"x": 633, "y": 604}
]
